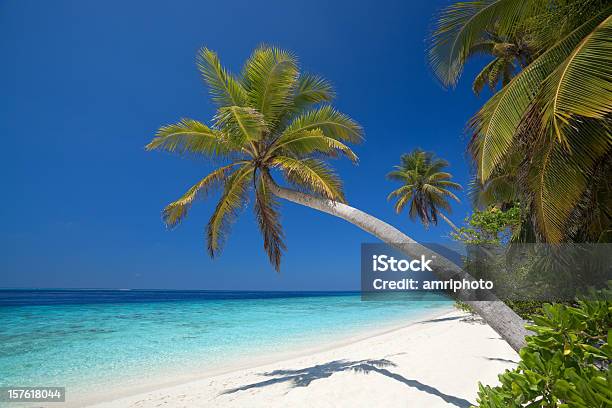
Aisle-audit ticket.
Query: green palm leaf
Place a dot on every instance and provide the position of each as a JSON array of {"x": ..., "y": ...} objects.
[
  {"x": 189, "y": 136},
  {"x": 497, "y": 189},
  {"x": 558, "y": 180},
  {"x": 240, "y": 124},
  {"x": 270, "y": 76},
  {"x": 442, "y": 193},
  {"x": 224, "y": 88},
  {"x": 268, "y": 219},
  {"x": 482, "y": 47},
  {"x": 174, "y": 212},
  {"x": 437, "y": 200},
  {"x": 403, "y": 190},
  {"x": 404, "y": 198},
  {"x": 460, "y": 27},
  {"x": 231, "y": 201},
  {"x": 582, "y": 85},
  {"x": 312, "y": 89},
  {"x": 440, "y": 176},
  {"x": 309, "y": 142},
  {"x": 496, "y": 124},
  {"x": 447, "y": 184},
  {"x": 330, "y": 122},
  {"x": 400, "y": 175},
  {"x": 482, "y": 78},
  {"x": 311, "y": 175}
]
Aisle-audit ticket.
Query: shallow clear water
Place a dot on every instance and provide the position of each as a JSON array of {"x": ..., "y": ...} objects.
[{"x": 89, "y": 339}]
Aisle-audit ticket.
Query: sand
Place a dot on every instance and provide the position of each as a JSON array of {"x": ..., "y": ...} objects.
[{"x": 436, "y": 362}]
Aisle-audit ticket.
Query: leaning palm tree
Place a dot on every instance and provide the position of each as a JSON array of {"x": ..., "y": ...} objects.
[
  {"x": 555, "y": 112},
  {"x": 425, "y": 189},
  {"x": 264, "y": 124},
  {"x": 275, "y": 121}
]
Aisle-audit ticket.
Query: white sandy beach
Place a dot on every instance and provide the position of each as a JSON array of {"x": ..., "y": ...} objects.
[{"x": 436, "y": 362}]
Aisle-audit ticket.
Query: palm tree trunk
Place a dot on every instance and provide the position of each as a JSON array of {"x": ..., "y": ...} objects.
[
  {"x": 449, "y": 222},
  {"x": 494, "y": 312}
]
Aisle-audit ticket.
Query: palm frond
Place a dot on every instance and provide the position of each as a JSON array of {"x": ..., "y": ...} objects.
[
  {"x": 399, "y": 175},
  {"x": 415, "y": 160},
  {"x": 224, "y": 88},
  {"x": 558, "y": 179},
  {"x": 402, "y": 191},
  {"x": 496, "y": 72},
  {"x": 582, "y": 85},
  {"x": 270, "y": 76},
  {"x": 415, "y": 211},
  {"x": 332, "y": 123},
  {"x": 436, "y": 191},
  {"x": 447, "y": 184},
  {"x": 240, "y": 124},
  {"x": 482, "y": 78},
  {"x": 402, "y": 201},
  {"x": 439, "y": 176},
  {"x": 498, "y": 189},
  {"x": 231, "y": 202},
  {"x": 482, "y": 47},
  {"x": 311, "y": 90},
  {"x": 508, "y": 69},
  {"x": 438, "y": 201},
  {"x": 268, "y": 219},
  {"x": 189, "y": 136},
  {"x": 311, "y": 175},
  {"x": 496, "y": 124},
  {"x": 309, "y": 142},
  {"x": 176, "y": 211},
  {"x": 433, "y": 165},
  {"x": 461, "y": 25}
]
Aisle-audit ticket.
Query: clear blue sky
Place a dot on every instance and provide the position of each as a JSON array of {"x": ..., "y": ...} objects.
[{"x": 85, "y": 84}]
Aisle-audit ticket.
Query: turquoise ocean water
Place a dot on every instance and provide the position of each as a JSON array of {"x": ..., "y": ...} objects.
[{"x": 85, "y": 340}]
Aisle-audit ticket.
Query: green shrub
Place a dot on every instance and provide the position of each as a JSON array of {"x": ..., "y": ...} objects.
[
  {"x": 525, "y": 308},
  {"x": 464, "y": 307},
  {"x": 565, "y": 364}
]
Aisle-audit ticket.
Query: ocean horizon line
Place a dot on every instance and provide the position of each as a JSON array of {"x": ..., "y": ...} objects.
[{"x": 180, "y": 290}]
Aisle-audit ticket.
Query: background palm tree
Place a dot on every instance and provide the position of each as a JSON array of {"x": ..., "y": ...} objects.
[
  {"x": 426, "y": 188},
  {"x": 274, "y": 120},
  {"x": 555, "y": 114},
  {"x": 510, "y": 55}
]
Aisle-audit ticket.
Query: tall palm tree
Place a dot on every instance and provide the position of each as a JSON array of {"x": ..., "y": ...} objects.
[
  {"x": 555, "y": 113},
  {"x": 273, "y": 120},
  {"x": 426, "y": 188}
]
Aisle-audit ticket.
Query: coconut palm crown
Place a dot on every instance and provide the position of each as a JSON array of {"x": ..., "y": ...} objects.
[
  {"x": 425, "y": 186},
  {"x": 271, "y": 119}
]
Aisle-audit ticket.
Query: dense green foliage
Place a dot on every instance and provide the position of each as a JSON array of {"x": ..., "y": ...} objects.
[
  {"x": 491, "y": 226},
  {"x": 566, "y": 363},
  {"x": 270, "y": 118},
  {"x": 495, "y": 228},
  {"x": 544, "y": 137},
  {"x": 426, "y": 187}
]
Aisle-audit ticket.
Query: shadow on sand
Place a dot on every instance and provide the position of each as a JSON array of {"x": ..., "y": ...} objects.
[
  {"x": 304, "y": 376},
  {"x": 471, "y": 318},
  {"x": 503, "y": 360}
]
